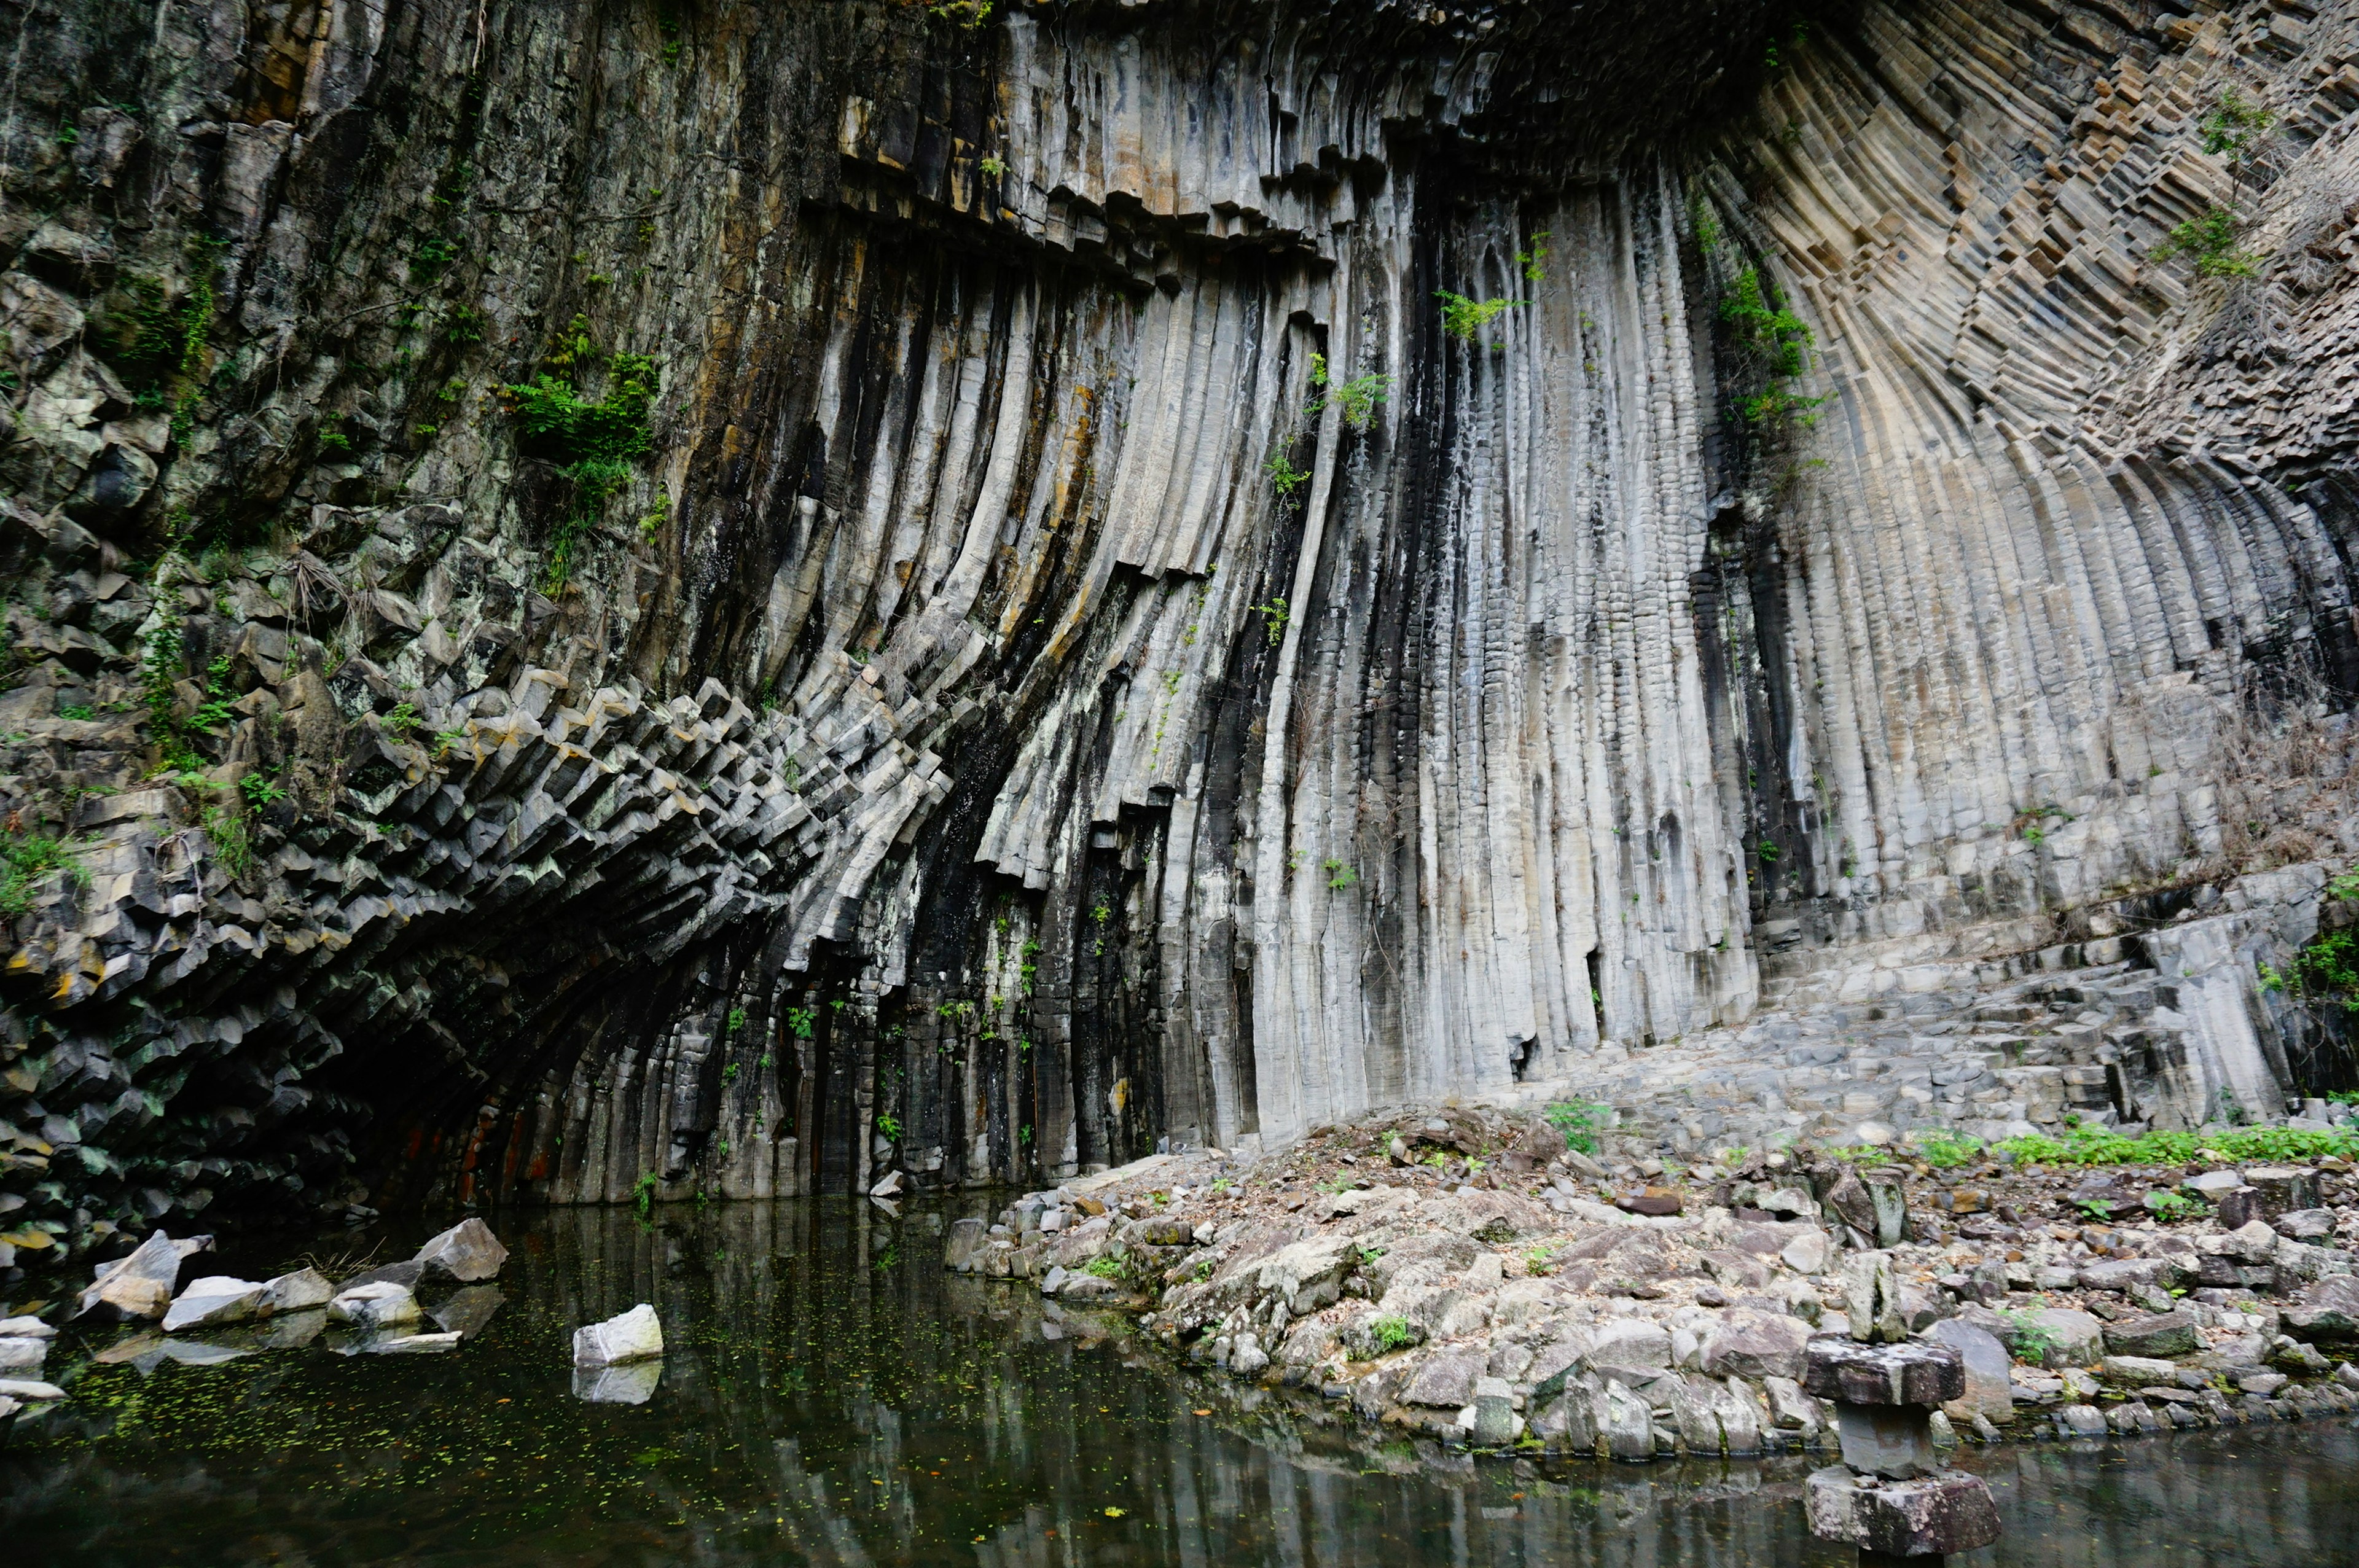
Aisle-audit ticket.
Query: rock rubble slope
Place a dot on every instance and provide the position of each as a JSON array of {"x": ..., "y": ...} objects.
[
  {"x": 1460, "y": 1274},
  {"x": 605, "y": 603}
]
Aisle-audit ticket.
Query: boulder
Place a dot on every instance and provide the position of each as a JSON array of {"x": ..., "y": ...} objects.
[
  {"x": 1446, "y": 1381},
  {"x": 1625, "y": 1426},
  {"x": 2057, "y": 1336},
  {"x": 380, "y": 1303},
  {"x": 2251, "y": 1242},
  {"x": 889, "y": 1186},
  {"x": 962, "y": 1244},
  {"x": 1307, "y": 1275},
  {"x": 1915, "y": 1373},
  {"x": 2161, "y": 1335},
  {"x": 407, "y": 1274},
  {"x": 2327, "y": 1310},
  {"x": 2213, "y": 1186},
  {"x": 1989, "y": 1392},
  {"x": 2137, "y": 1371},
  {"x": 1757, "y": 1346},
  {"x": 139, "y": 1285},
  {"x": 636, "y": 1336},
  {"x": 2282, "y": 1188},
  {"x": 214, "y": 1302},
  {"x": 1806, "y": 1253},
  {"x": 467, "y": 1252},
  {"x": 1494, "y": 1412},
  {"x": 1630, "y": 1345},
  {"x": 25, "y": 1328},
  {"x": 29, "y": 1389},
  {"x": 1792, "y": 1410},
  {"x": 2121, "y": 1274},
  {"x": 21, "y": 1354},
  {"x": 1894, "y": 1442},
  {"x": 2315, "y": 1225},
  {"x": 298, "y": 1291}
]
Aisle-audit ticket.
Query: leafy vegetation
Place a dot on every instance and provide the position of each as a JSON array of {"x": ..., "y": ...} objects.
[
  {"x": 1357, "y": 398},
  {"x": 2211, "y": 240},
  {"x": 1464, "y": 318},
  {"x": 1392, "y": 1334},
  {"x": 2233, "y": 126},
  {"x": 25, "y": 859},
  {"x": 2099, "y": 1146},
  {"x": 595, "y": 442},
  {"x": 2327, "y": 970},
  {"x": 1580, "y": 1121},
  {"x": 1275, "y": 617},
  {"x": 1779, "y": 344},
  {"x": 1946, "y": 1151}
]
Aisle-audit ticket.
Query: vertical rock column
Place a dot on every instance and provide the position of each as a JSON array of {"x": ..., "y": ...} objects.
[{"x": 1890, "y": 1496}]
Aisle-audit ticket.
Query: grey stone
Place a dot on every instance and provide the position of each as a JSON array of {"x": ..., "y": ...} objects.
[
  {"x": 379, "y": 1305},
  {"x": 634, "y": 1335},
  {"x": 2164, "y": 1334},
  {"x": 1758, "y": 1346},
  {"x": 626, "y": 1383},
  {"x": 1894, "y": 1442},
  {"x": 1848, "y": 1372},
  {"x": 300, "y": 1290},
  {"x": 2136, "y": 1371},
  {"x": 1989, "y": 1389},
  {"x": 139, "y": 1285},
  {"x": 1446, "y": 1380},
  {"x": 1947, "y": 1512},
  {"x": 467, "y": 1252},
  {"x": 1496, "y": 1421},
  {"x": 213, "y": 1301}
]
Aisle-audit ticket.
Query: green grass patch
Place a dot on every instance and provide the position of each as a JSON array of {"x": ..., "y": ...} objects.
[{"x": 2099, "y": 1146}]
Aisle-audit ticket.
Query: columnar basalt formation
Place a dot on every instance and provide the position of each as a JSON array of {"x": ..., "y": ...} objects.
[{"x": 1021, "y": 693}]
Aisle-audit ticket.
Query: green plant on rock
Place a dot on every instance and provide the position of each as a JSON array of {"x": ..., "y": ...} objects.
[
  {"x": 595, "y": 442},
  {"x": 1945, "y": 1151},
  {"x": 1778, "y": 344},
  {"x": 1356, "y": 399},
  {"x": 2171, "y": 1207},
  {"x": 967, "y": 14},
  {"x": 1340, "y": 875},
  {"x": 1580, "y": 1121},
  {"x": 260, "y": 790},
  {"x": 1284, "y": 477},
  {"x": 2211, "y": 240},
  {"x": 890, "y": 1125},
  {"x": 1274, "y": 616},
  {"x": 1105, "y": 1266},
  {"x": 992, "y": 167},
  {"x": 800, "y": 1020},
  {"x": 643, "y": 1193},
  {"x": 2327, "y": 969},
  {"x": 231, "y": 835},
  {"x": 2026, "y": 1336},
  {"x": 1535, "y": 261},
  {"x": 2233, "y": 126},
  {"x": 1389, "y": 1334},
  {"x": 25, "y": 858},
  {"x": 1465, "y": 318}
]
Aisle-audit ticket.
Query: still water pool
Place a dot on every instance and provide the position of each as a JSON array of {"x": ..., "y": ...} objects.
[{"x": 831, "y": 1396}]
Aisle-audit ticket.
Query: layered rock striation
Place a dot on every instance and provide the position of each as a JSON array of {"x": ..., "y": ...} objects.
[{"x": 610, "y": 601}]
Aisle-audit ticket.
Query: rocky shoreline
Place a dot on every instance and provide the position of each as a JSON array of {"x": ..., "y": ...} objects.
[{"x": 1460, "y": 1274}]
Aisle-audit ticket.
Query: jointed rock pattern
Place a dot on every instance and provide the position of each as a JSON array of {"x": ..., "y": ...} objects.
[{"x": 1011, "y": 707}]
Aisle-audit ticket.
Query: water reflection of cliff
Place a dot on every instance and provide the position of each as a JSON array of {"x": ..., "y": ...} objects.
[{"x": 831, "y": 1396}]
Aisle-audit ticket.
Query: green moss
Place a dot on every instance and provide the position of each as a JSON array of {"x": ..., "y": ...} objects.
[{"x": 25, "y": 859}]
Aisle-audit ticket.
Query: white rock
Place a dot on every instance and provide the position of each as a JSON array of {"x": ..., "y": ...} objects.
[
  {"x": 414, "y": 1344},
  {"x": 213, "y": 1301},
  {"x": 466, "y": 1252},
  {"x": 1806, "y": 1253},
  {"x": 25, "y": 1328},
  {"x": 22, "y": 1354},
  {"x": 636, "y": 1336},
  {"x": 298, "y": 1291},
  {"x": 29, "y": 1389},
  {"x": 381, "y": 1304}
]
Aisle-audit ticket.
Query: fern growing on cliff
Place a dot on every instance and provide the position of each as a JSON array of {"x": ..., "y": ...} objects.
[
  {"x": 1464, "y": 318},
  {"x": 595, "y": 443}
]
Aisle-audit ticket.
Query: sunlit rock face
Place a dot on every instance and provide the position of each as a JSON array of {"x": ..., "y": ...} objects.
[{"x": 1086, "y": 656}]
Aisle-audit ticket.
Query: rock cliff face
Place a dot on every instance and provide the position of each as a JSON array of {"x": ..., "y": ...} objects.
[{"x": 608, "y": 594}]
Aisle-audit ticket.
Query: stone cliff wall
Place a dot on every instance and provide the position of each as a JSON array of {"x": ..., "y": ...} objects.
[{"x": 1010, "y": 709}]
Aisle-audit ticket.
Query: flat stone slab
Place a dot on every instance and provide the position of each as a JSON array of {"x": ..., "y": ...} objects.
[{"x": 1916, "y": 1373}]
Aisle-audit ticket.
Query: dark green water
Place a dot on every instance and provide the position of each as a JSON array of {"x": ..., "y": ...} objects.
[{"x": 831, "y": 1396}]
